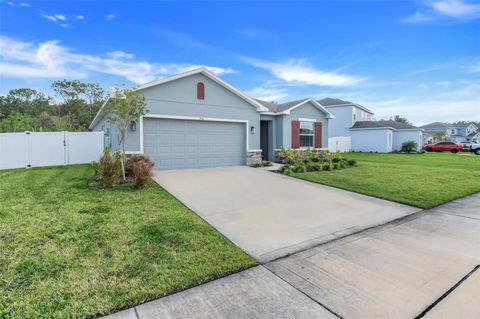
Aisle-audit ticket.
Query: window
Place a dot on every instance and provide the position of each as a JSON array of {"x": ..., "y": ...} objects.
[
  {"x": 306, "y": 134},
  {"x": 452, "y": 131},
  {"x": 200, "y": 91}
]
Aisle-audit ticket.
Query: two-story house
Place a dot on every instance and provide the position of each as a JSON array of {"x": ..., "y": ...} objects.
[
  {"x": 353, "y": 129},
  {"x": 437, "y": 131}
]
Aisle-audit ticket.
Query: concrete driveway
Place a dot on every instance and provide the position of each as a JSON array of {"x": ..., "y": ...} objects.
[
  {"x": 422, "y": 266},
  {"x": 270, "y": 215}
]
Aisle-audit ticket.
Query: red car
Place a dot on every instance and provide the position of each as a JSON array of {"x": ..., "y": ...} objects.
[{"x": 443, "y": 147}]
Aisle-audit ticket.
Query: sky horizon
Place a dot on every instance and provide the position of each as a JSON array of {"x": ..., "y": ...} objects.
[{"x": 419, "y": 59}]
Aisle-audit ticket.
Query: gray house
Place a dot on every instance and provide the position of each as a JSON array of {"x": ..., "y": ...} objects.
[
  {"x": 196, "y": 120},
  {"x": 456, "y": 132}
]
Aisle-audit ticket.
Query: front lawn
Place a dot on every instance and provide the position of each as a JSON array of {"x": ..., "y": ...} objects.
[
  {"x": 421, "y": 180},
  {"x": 67, "y": 251}
]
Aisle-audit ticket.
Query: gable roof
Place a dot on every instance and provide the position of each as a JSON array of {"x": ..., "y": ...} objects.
[
  {"x": 260, "y": 107},
  {"x": 204, "y": 71},
  {"x": 332, "y": 102},
  {"x": 436, "y": 125},
  {"x": 286, "y": 108},
  {"x": 442, "y": 125},
  {"x": 383, "y": 124}
]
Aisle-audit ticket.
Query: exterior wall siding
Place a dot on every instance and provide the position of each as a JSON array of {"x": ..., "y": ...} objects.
[
  {"x": 343, "y": 121},
  {"x": 372, "y": 140},
  {"x": 305, "y": 111},
  {"x": 179, "y": 98},
  {"x": 402, "y": 136}
]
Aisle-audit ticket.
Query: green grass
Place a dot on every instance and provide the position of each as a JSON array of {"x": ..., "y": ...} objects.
[
  {"x": 67, "y": 251},
  {"x": 421, "y": 180}
]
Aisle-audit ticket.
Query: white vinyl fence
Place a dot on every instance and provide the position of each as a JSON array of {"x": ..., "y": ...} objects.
[
  {"x": 36, "y": 149},
  {"x": 340, "y": 143}
]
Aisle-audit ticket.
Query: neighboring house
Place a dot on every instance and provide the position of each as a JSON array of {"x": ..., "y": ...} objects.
[
  {"x": 455, "y": 132},
  {"x": 346, "y": 115},
  {"x": 384, "y": 136},
  {"x": 196, "y": 119},
  {"x": 353, "y": 129}
]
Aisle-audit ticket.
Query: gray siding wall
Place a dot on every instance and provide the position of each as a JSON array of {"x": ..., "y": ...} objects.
[
  {"x": 343, "y": 121},
  {"x": 179, "y": 98},
  {"x": 307, "y": 111},
  {"x": 111, "y": 136}
]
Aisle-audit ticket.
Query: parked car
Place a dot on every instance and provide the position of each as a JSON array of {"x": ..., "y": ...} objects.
[
  {"x": 467, "y": 145},
  {"x": 443, "y": 147},
  {"x": 475, "y": 148}
]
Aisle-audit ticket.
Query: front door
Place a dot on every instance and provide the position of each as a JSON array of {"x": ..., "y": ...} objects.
[{"x": 264, "y": 140}]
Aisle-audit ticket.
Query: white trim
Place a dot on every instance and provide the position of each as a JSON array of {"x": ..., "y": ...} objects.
[
  {"x": 307, "y": 120},
  {"x": 373, "y": 128},
  {"x": 96, "y": 118},
  {"x": 189, "y": 118},
  {"x": 314, "y": 102},
  {"x": 352, "y": 104},
  {"x": 211, "y": 76},
  {"x": 260, "y": 150}
]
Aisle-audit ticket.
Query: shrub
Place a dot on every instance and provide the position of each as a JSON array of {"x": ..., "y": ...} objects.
[
  {"x": 409, "y": 146},
  {"x": 336, "y": 165},
  {"x": 109, "y": 169},
  {"x": 289, "y": 156},
  {"x": 313, "y": 166},
  {"x": 311, "y": 155},
  {"x": 352, "y": 162},
  {"x": 285, "y": 168},
  {"x": 140, "y": 170},
  {"x": 263, "y": 164},
  {"x": 327, "y": 166},
  {"x": 299, "y": 168},
  {"x": 324, "y": 155}
]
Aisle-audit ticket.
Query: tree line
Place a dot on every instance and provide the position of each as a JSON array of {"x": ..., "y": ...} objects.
[{"x": 72, "y": 109}]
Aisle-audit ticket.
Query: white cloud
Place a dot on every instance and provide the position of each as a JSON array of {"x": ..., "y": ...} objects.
[
  {"x": 63, "y": 25},
  {"x": 10, "y": 3},
  {"x": 296, "y": 71},
  {"x": 434, "y": 9},
  {"x": 49, "y": 17},
  {"x": 60, "y": 17},
  {"x": 417, "y": 17},
  {"x": 268, "y": 93},
  {"x": 111, "y": 16},
  {"x": 51, "y": 60},
  {"x": 79, "y": 17},
  {"x": 455, "y": 8},
  {"x": 24, "y": 4}
]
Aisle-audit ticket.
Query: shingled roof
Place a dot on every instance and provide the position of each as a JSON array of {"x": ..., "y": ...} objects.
[
  {"x": 383, "y": 124},
  {"x": 331, "y": 102},
  {"x": 279, "y": 107}
]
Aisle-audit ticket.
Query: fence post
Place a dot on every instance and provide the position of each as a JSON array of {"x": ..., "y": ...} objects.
[
  {"x": 28, "y": 149},
  {"x": 65, "y": 147}
]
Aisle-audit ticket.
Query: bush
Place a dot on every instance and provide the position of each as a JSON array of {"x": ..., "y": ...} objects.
[
  {"x": 313, "y": 166},
  {"x": 409, "y": 146},
  {"x": 263, "y": 164},
  {"x": 311, "y": 155},
  {"x": 299, "y": 168},
  {"x": 289, "y": 156},
  {"x": 327, "y": 166},
  {"x": 352, "y": 162},
  {"x": 139, "y": 169},
  {"x": 109, "y": 169}
]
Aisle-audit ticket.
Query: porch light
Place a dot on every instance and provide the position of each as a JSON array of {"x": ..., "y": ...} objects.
[
  {"x": 252, "y": 129},
  {"x": 133, "y": 126}
]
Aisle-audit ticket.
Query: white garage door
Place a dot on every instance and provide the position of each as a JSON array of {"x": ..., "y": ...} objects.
[{"x": 177, "y": 144}]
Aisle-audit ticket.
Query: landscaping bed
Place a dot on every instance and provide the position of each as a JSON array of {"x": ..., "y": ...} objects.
[
  {"x": 68, "y": 250},
  {"x": 421, "y": 180}
]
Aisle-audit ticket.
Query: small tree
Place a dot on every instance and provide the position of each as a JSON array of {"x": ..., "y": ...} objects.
[
  {"x": 125, "y": 107},
  {"x": 401, "y": 119},
  {"x": 409, "y": 146}
]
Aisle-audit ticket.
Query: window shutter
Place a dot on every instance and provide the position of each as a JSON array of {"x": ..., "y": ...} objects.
[
  {"x": 318, "y": 135},
  {"x": 295, "y": 134},
  {"x": 200, "y": 91}
]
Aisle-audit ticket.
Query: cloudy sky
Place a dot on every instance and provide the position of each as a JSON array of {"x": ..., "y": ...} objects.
[{"x": 420, "y": 59}]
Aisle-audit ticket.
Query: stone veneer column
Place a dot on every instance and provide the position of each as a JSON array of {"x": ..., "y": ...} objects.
[{"x": 254, "y": 157}]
